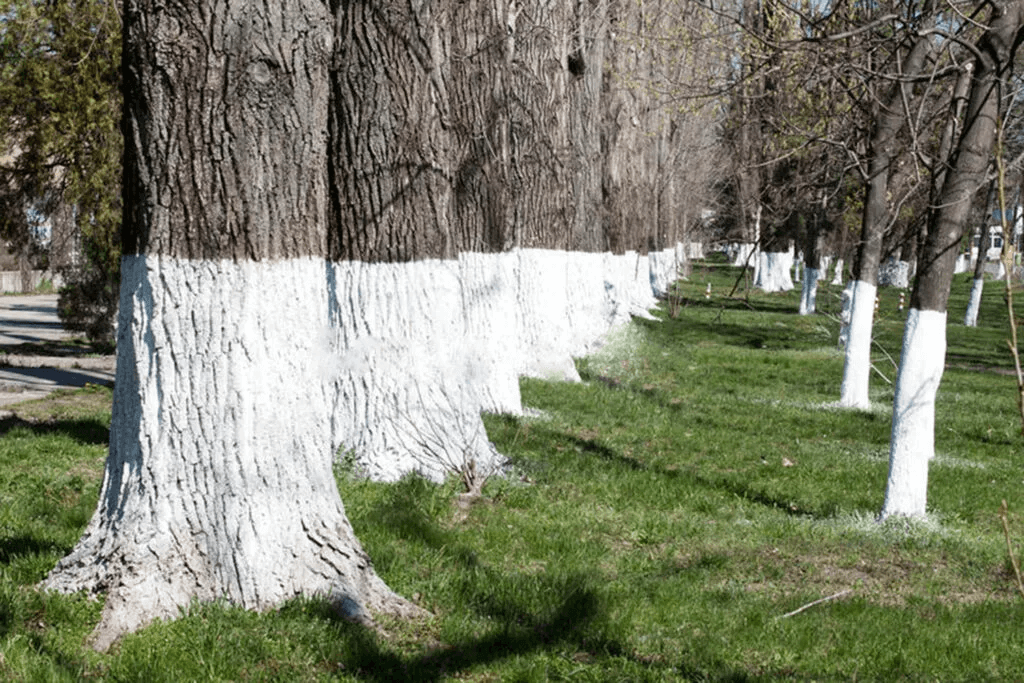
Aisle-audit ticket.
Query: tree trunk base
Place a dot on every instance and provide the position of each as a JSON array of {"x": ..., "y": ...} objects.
[
  {"x": 219, "y": 481},
  {"x": 974, "y": 304},
  {"x": 913, "y": 414},
  {"x": 857, "y": 365}
]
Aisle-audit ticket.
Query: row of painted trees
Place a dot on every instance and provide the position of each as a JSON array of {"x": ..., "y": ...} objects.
[
  {"x": 913, "y": 96},
  {"x": 354, "y": 225}
]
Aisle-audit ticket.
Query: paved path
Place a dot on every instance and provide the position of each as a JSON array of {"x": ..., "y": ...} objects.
[
  {"x": 33, "y": 319},
  {"x": 29, "y": 319}
]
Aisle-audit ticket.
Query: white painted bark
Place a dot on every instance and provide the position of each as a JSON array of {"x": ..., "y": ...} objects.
[
  {"x": 773, "y": 275},
  {"x": 963, "y": 263},
  {"x": 406, "y": 396},
  {"x": 846, "y": 310},
  {"x": 974, "y": 303},
  {"x": 857, "y": 364},
  {"x": 894, "y": 274},
  {"x": 913, "y": 414},
  {"x": 809, "y": 293},
  {"x": 743, "y": 255},
  {"x": 664, "y": 267},
  {"x": 425, "y": 347},
  {"x": 542, "y": 313},
  {"x": 218, "y": 482},
  {"x": 837, "y": 275}
]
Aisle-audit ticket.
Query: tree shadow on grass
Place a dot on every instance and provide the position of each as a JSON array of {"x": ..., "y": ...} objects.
[
  {"x": 747, "y": 490},
  {"x": 87, "y": 431},
  {"x": 519, "y": 631},
  {"x": 519, "y": 612},
  {"x": 771, "y": 335},
  {"x": 16, "y": 546}
]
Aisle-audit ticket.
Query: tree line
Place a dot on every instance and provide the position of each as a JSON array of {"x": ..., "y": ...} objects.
[{"x": 352, "y": 225}]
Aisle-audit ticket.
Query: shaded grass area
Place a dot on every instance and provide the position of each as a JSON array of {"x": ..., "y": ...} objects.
[{"x": 657, "y": 522}]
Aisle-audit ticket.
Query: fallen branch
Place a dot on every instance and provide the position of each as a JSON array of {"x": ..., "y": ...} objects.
[{"x": 816, "y": 602}]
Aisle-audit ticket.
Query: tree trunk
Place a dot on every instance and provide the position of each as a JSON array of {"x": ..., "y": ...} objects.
[
  {"x": 429, "y": 342},
  {"x": 837, "y": 274},
  {"x": 221, "y": 414},
  {"x": 773, "y": 272},
  {"x": 390, "y": 165},
  {"x": 978, "y": 283},
  {"x": 889, "y": 121},
  {"x": 809, "y": 292},
  {"x": 974, "y": 301},
  {"x": 924, "y": 341},
  {"x": 812, "y": 265}
]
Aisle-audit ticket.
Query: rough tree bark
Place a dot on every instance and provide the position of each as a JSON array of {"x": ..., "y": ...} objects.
[
  {"x": 218, "y": 482},
  {"x": 474, "y": 137},
  {"x": 912, "y": 443}
]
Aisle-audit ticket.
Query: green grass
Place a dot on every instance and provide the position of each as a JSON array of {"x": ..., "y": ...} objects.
[{"x": 658, "y": 521}]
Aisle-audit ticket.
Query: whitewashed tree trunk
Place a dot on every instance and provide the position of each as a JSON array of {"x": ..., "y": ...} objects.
[
  {"x": 542, "y": 314},
  {"x": 809, "y": 293},
  {"x": 924, "y": 339},
  {"x": 220, "y": 427},
  {"x": 219, "y": 482},
  {"x": 744, "y": 255},
  {"x": 894, "y": 274},
  {"x": 837, "y": 275},
  {"x": 773, "y": 275},
  {"x": 664, "y": 267},
  {"x": 408, "y": 392},
  {"x": 857, "y": 365},
  {"x": 757, "y": 246},
  {"x": 974, "y": 303},
  {"x": 964, "y": 262},
  {"x": 845, "y": 311},
  {"x": 913, "y": 413},
  {"x": 425, "y": 347}
]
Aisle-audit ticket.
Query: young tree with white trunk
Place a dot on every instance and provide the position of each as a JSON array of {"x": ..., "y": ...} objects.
[
  {"x": 889, "y": 120},
  {"x": 978, "y": 281},
  {"x": 912, "y": 444}
]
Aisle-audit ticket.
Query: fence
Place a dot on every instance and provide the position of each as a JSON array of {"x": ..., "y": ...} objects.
[{"x": 21, "y": 282}]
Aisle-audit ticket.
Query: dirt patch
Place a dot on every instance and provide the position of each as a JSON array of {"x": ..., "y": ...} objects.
[{"x": 887, "y": 581}]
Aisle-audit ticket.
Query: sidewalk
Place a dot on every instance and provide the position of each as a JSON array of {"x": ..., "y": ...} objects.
[{"x": 25, "y": 375}]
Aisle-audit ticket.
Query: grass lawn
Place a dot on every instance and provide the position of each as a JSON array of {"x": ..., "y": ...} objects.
[{"x": 663, "y": 520}]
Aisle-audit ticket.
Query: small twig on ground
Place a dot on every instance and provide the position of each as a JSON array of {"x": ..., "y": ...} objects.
[
  {"x": 816, "y": 602},
  {"x": 1009, "y": 547}
]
